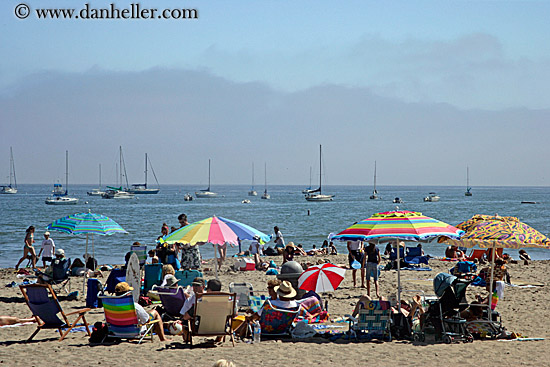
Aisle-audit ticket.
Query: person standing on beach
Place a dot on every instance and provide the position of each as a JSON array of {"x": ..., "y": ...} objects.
[
  {"x": 190, "y": 255},
  {"x": 47, "y": 249},
  {"x": 355, "y": 249},
  {"x": 373, "y": 260},
  {"x": 28, "y": 249},
  {"x": 279, "y": 240}
]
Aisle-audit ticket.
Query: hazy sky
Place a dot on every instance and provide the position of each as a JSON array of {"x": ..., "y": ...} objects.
[{"x": 425, "y": 88}]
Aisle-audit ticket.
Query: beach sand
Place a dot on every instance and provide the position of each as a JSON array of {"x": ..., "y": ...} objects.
[{"x": 523, "y": 310}]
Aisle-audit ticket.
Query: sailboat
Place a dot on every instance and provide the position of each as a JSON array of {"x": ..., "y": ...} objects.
[
  {"x": 60, "y": 196},
  {"x": 266, "y": 195},
  {"x": 374, "y": 195},
  {"x": 206, "y": 193},
  {"x": 252, "y": 192},
  {"x": 309, "y": 189},
  {"x": 9, "y": 189},
  {"x": 142, "y": 188},
  {"x": 468, "y": 188},
  {"x": 316, "y": 195},
  {"x": 118, "y": 192},
  {"x": 97, "y": 192}
]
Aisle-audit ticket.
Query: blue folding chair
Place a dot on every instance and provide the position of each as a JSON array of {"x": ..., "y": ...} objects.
[{"x": 153, "y": 276}]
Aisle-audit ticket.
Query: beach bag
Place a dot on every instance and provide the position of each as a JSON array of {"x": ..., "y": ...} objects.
[
  {"x": 144, "y": 301},
  {"x": 100, "y": 333},
  {"x": 400, "y": 327}
]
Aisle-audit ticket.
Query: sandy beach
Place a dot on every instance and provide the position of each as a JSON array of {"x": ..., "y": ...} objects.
[{"x": 523, "y": 311}]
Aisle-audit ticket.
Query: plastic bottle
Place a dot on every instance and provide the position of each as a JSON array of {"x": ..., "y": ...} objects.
[{"x": 257, "y": 330}]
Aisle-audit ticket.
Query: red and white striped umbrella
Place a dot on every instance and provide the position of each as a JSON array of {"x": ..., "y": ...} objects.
[{"x": 321, "y": 278}]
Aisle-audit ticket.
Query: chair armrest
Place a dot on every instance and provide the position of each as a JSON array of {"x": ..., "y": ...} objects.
[{"x": 82, "y": 310}]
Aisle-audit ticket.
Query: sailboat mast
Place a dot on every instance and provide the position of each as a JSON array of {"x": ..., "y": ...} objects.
[
  {"x": 467, "y": 177},
  {"x": 265, "y": 177},
  {"x": 375, "y": 176},
  {"x": 320, "y": 166},
  {"x": 208, "y": 175},
  {"x": 66, "y": 172},
  {"x": 12, "y": 168},
  {"x": 145, "y": 170},
  {"x": 120, "y": 164},
  {"x": 252, "y": 176},
  {"x": 100, "y": 175}
]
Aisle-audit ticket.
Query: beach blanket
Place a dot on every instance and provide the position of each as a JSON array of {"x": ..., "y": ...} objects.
[
  {"x": 25, "y": 282},
  {"x": 520, "y": 339},
  {"x": 417, "y": 268},
  {"x": 17, "y": 325},
  {"x": 79, "y": 328}
]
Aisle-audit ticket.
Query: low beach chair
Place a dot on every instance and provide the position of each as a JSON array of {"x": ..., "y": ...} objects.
[
  {"x": 414, "y": 256},
  {"x": 116, "y": 276},
  {"x": 243, "y": 291},
  {"x": 153, "y": 276},
  {"x": 374, "y": 320},
  {"x": 141, "y": 252},
  {"x": 172, "y": 301},
  {"x": 60, "y": 275},
  {"x": 45, "y": 309},
  {"x": 186, "y": 276},
  {"x": 276, "y": 322},
  {"x": 121, "y": 318},
  {"x": 476, "y": 254},
  {"x": 213, "y": 316}
]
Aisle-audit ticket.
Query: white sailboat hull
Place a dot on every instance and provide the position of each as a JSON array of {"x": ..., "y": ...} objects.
[
  {"x": 266, "y": 196},
  {"x": 143, "y": 191},
  {"x": 252, "y": 193},
  {"x": 95, "y": 192},
  {"x": 112, "y": 194},
  {"x": 206, "y": 194},
  {"x": 61, "y": 200},
  {"x": 8, "y": 190},
  {"x": 319, "y": 197}
]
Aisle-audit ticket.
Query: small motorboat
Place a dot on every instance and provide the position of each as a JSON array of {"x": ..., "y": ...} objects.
[
  {"x": 432, "y": 197},
  {"x": 397, "y": 201},
  {"x": 530, "y": 202},
  {"x": 187, "y": 197},
  {"x": 245, "y": 201}
]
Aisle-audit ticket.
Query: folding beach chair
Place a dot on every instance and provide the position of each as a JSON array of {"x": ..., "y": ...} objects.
[
  {"x": 60, "y": 275},
  {"x": 476, "y": 254},
  {"x": 153, "y": 276},
  {"x": 414, "y": 256},
  {"x": 186, "y": 276},
  {"x": 243, "y": 291},
  {"x": 275, "y": 321},
  {"x": 141, "y": 252},
  {"x": 374, "y": 320},
  {"x": 172, "y": 301},
  {"x": 256, "y": 302},
  {"x": 45, "y": 309},
  {"x": 213, "y": 316},
  {"x": 121, "y": 318},
  {"x": 116, "y": 276}
]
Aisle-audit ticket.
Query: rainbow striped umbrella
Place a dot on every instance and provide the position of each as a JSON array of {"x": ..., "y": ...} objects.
[
  {"x": 215, "y": 230},
  {"x": 398, "y": 225}
]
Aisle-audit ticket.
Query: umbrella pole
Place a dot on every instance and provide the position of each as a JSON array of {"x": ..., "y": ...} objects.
[
  {"x": 86, "y": 276},
  {"x": 215, "y": 246},
  {"x": 398, "y": 278},
  {"x": 490, "y": 297}
]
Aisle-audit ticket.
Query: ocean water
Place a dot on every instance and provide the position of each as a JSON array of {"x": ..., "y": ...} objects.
[{"x": 143, "y": 216}]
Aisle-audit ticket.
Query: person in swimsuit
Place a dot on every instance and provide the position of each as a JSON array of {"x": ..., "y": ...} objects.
[{"x": 28, "y": 249}]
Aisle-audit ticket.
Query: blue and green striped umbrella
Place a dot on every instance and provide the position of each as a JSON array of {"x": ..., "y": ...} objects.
[{"x": 86, "y": 223}]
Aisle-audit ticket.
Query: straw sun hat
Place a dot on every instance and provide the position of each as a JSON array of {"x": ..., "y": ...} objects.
[
  {"x": 123, "y": 287},
  {"x": 285, "y": 290}
]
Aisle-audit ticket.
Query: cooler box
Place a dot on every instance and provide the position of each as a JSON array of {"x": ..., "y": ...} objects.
[{"x": 244, "y": 264}]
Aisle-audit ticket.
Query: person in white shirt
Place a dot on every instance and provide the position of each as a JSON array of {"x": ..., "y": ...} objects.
[
  {"x": 47, "y": 249},
  {"x": 279, "y": 240},
  {"x": 142, "y": 315}
]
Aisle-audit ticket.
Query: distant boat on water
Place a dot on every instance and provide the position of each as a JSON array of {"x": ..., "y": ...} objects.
[
  {"x": 142, "y": 188},
  {"x": 9, "y": 188},
  {"x": 468, "y": 188},
  {"x": 398, "y": 201},
  {"x": 60, "y": 195},
  {"x": 252, "y": 192},
  {"x": 309, "y": 189},
  {"x": 98, "y": 191},
  {"x": 374, "y": 195},
  {"x": 206, "y": 193},
  {"x": 317, "y": 195},
  {"x": 432, "y": 197},
  {"x": 119, "y": 192}
]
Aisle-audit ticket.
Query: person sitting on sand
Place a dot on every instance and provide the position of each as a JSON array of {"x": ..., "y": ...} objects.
[
  {"x": 166, "y": 271},
  {"x": 452, "y": 252},
  {"x": 142, "y": 315},
  {"x": 523, "y": 255},
  {"x": 299, "y": 250},
  {"x": 251, "y": 317},
  {"x": 195, "y": 293},
  {"x": 12, "y": 320},
  {"x": 288, "y": 252},
  {"x": 47, "y": 275},
  {"x": 333, "y": 250}
]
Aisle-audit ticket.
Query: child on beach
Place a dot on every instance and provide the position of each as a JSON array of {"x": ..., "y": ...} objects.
[{"x": 47, "y": 249}]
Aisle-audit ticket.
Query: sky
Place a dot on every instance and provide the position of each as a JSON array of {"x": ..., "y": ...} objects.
[{"x": 424, "y": 88}]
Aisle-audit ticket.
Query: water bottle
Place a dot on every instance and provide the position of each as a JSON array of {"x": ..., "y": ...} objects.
[{"x": 257, "y": 330}]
